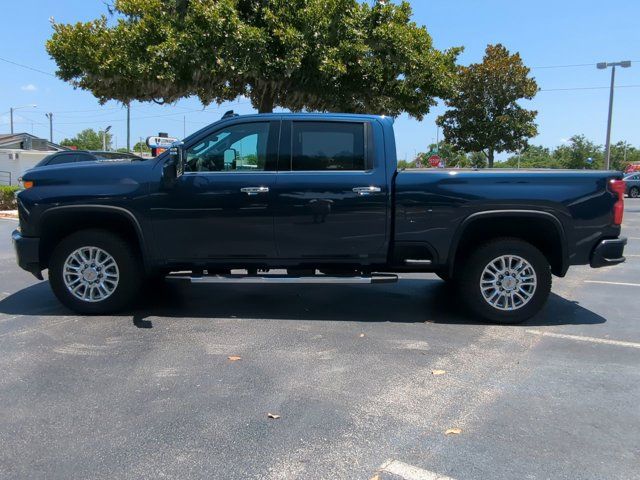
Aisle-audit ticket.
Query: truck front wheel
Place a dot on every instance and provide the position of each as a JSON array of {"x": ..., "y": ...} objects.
[
  {"x": 506, "y": 281},
  {"x": 94, "y": 272}
]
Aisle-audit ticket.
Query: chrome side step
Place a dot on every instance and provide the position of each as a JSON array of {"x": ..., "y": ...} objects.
[{"x": 285, "y": 279}]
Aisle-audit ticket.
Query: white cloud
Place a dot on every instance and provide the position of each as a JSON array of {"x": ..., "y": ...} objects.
[{"x": 29, "y": 88}]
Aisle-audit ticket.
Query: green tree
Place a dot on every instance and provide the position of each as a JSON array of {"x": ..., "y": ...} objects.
[
  {"x": 87, "y": 139},
  {"x": 577, "y": 152},
  {"x": 533, "y": 156},
  {"x": 324, "y": 55},
  {"x": 484, "y": 114},
  {"x": 623, "y": 154},
  {"x": 141, "y": 148}
]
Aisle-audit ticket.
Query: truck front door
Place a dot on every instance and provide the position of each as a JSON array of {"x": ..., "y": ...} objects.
[
  {"x": 331, "y": 197},
  {"x": 221, "y": 208}
]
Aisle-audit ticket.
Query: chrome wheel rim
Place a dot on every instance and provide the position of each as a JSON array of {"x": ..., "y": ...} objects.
[
  {"x": 91, "y": 274},
  {"x": 508, "y": 282}
]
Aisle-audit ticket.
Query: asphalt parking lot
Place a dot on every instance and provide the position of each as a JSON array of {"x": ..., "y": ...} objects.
[{"x": 348, "y": 369}]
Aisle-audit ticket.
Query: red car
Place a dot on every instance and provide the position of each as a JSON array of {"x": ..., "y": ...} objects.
[{"x": 634, "y": 167}]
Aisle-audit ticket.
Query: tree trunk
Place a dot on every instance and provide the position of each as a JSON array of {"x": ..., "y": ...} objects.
[
  {"x": 490, "y": 157},
  {"x": 266, "y": 101},
  {"x": 266, "y": 106}
]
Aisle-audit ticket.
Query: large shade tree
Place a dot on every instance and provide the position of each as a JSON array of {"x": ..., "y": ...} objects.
[
  {"x": 324, "y": 55},
  {"x": 484, "y": 114}
]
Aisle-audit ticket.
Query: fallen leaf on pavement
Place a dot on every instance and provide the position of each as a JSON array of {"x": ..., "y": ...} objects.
[
  {"x": 234, "y": 358},
  {"x": 438, "y": 372},
  {"x": 273, "y": 415},
  {"x": 453, "y": 431},
  {"x": 362, "y": 335}
]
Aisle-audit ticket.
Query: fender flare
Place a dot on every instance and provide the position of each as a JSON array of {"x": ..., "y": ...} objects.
[
  {"x": 549, "y": 217},
  {"x": 122, "y": 212}
]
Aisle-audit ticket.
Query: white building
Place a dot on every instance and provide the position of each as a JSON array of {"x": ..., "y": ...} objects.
[{"x": 20, "y": 152}]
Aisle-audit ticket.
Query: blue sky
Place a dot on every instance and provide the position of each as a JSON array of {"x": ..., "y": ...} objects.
[{"x": 546, "y": 33}]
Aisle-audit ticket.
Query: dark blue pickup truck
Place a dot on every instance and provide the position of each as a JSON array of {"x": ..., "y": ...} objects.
[{"x": 311, "y": 198}]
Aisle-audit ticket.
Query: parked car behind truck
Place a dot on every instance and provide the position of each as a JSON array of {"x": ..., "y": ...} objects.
[{"x": 317, "y": 195}]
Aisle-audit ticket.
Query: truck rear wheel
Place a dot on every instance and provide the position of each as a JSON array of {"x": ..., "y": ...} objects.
[
  {"x": 506, "y": 281},
  {"x": 95, "y": 272}
]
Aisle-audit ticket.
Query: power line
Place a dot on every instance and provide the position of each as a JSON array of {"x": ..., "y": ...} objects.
[
  {"x": 585, "y": 88},
  {"x": 27, "y": 67},
  {"x": 575, "y": 65},
  {"x": 564, "y": 66}
]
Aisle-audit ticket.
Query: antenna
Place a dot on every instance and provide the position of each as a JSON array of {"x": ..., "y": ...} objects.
[{"x": 230, "y": 114}]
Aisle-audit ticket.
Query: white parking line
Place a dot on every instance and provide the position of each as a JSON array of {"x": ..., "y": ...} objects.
[
  {"x": 613, "y": 283},
  {"x": 409, "y": 472},
  {"x": 604, "y": 341}
]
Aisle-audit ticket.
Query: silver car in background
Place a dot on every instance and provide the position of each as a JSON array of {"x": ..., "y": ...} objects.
[{"x": 633, "y": 185}]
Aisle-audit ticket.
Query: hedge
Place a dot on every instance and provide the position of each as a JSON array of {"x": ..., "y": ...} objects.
[{"x": 8, "y": 197}]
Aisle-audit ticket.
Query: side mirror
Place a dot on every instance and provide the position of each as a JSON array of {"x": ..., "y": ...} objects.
[
  {"x": 176, "y": 152},
  {"x": 173, "y": 167}
]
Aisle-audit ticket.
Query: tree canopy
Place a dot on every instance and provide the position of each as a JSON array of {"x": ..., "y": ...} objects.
[
  {"x": 484, "y": 114},
  {"x": 322, "y": 55},
  {"x": 87, "y": 139}
]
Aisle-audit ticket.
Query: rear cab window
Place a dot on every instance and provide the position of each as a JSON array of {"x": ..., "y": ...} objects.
[{"x": 326, "y": 146}]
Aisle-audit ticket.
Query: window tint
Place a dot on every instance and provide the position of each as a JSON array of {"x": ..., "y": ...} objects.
[
  {"x": 64, "y": 158},
  {"x": 327, "y": 146},
  {"x": 237, "y": 148}
]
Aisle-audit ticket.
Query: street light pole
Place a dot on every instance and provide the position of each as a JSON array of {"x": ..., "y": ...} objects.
[
  {"x": 16, "y": 108},
  {"x": 104, "y": 138},
  {"x": 613, "y": 65}
]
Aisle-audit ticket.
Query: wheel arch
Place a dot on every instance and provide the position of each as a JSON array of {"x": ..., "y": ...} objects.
[
  {"x": 59, "y": 222},
  {"x": 542, "y": 229}
]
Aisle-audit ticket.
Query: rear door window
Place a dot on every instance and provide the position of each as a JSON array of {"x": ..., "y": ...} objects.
[{"x": 328, "y": 146}]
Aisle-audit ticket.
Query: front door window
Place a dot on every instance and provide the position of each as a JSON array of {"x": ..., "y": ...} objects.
[{"x": 237, "y": 148}]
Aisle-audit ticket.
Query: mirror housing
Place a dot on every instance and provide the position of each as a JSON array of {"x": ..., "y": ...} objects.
[{"x": 173, "y": 168}]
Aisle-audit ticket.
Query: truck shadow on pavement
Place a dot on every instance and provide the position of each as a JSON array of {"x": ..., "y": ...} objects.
[{"x": 409, "y": 301}]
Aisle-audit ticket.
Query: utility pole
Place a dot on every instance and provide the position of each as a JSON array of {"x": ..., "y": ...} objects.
[
  {"x": 128, "y": 127},
  {"x": 603, "y": 66},
  {"x": 50, "y": 117}
]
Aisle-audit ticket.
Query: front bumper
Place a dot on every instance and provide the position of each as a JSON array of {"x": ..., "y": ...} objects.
[
  {"x": 608, "y": 252},
  {"x": 27, "y": 253}
]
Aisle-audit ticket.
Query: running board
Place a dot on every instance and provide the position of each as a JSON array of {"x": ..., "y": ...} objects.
[{"x": 283, "y": 279}]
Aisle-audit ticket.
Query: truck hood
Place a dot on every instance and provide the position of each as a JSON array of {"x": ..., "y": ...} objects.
[{"x": 90, "y": 173}]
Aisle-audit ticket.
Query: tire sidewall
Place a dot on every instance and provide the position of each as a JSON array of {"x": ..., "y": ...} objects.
[
  {"x": 475, "y": 265},
  {"x": 119, "y": 249}
]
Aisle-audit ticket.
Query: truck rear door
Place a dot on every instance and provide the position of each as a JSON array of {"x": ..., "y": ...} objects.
[{"x": 331, "y": 201}]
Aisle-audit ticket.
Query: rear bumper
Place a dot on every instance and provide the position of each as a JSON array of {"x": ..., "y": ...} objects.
[
  {"x": 608, "y": 252},
  {"x": 27, "y": 253}
]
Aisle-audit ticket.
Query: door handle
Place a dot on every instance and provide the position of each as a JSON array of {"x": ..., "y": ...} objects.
[
  {"x": 254, "y": 190},
  {"x": 367, "y": 190}
]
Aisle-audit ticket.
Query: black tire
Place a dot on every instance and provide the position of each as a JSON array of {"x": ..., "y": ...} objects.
[
  {"x": 475, "y": 264},
  {"x": 130, "y": 271},
  {"x": 634, "y": 192}
]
